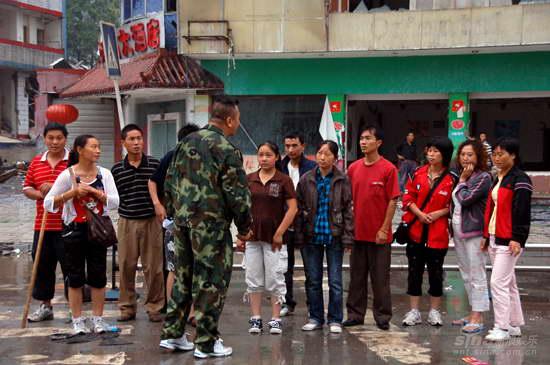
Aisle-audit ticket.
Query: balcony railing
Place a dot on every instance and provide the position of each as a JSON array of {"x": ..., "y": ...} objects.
[
  {"x": 51, "y": 7},
  {"x": 27, "y": 56}
]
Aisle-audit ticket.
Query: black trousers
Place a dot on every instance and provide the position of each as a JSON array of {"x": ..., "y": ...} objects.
[
  {"x": 419, "y": 257},
  {"x": 52, "y": 253},
  {"x": 370, "y": 259},
  {"x": 289, "y": 281}
]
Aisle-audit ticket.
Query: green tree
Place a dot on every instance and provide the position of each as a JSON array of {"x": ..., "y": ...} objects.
[{"x": 83, "y": 18}]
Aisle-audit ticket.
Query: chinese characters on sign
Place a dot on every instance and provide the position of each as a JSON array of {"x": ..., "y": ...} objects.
[{"x": 139, "y": 37}]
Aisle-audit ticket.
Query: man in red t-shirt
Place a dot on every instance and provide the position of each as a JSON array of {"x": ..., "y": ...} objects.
[
  {"x": 375, "y": 189},
  {"x": 41, "y": 175}
]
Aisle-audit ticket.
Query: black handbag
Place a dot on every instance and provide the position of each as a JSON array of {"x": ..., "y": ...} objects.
[
  {"x": 401, "y": 234},
  {"x": 100, "y": 227}
]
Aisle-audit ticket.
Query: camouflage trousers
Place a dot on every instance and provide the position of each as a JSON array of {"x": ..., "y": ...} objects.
[{"x": 203, "y": 263}]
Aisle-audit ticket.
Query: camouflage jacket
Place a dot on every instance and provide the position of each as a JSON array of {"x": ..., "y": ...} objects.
[{"x": 206, "y": 184}]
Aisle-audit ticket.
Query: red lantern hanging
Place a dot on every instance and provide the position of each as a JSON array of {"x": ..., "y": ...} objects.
[{"x": 62, "y": 113}]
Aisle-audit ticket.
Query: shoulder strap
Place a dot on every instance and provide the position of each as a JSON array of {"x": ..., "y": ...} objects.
[
  {"x": 432, "y": 190},
  {"x": 429, "y": 196},
  {"x": 73, "y": 177}
]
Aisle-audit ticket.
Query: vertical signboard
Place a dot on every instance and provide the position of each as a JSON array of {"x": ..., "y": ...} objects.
[
  {"x": 112, "y": 62},
  {"x": 459, "y": 118}
]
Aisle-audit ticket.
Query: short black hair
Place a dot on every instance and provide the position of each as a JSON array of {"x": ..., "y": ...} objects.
[
  {"x": 377, "y": 132},
  {"x": 482, "y": 132},
  {"x": 187, "y": 129},
  {"x": 56, "y": 127},
  {"x": 445, "y": 146},
  {"x": 129, "y": 128},
  {"x": 332, "y": 146},
  {"x": 510, "y": 145},
  {"x": 224, "y": 107},
  {"x": 297, "y": 136}
]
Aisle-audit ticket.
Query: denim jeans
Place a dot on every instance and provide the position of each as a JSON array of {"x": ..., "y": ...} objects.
[{"x": 313, "y": 262}]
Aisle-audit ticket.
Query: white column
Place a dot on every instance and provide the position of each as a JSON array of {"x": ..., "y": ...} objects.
[
  {"x": 22, "y": 105},
  {"x": 189, "y": 109}
]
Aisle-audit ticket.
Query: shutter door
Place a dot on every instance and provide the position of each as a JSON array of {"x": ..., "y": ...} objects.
[{"x": 96, "y": 118}]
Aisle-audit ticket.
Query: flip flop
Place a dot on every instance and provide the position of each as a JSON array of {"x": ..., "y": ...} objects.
[
  {"x": 475, "y": 328},
  {"x": 460, "y": 322}
]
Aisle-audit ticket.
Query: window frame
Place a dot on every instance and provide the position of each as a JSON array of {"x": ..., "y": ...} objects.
[{"x": 133, "y": 17}]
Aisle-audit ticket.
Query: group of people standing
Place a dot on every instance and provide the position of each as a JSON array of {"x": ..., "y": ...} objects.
[{"x": 200, "y": 188}]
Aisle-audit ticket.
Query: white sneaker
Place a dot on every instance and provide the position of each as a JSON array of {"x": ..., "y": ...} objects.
[
  {"x": 284, "y": 311},
  {"x": 99, "y": 325},
  {"x": 275, "y": 327},
  {"x": 412, "y": 318},
  {"x": 434, "y": 317},
  {"x": 335, "y": 328},
  {"x": 512, "y": 331},
  {"x": 219, "y": 351},
  {"x": 311, "y": 326},
  {"x": 181, "y": 343},
  {"x": 79, "y": 326},
  {"x": 497, "y": 335},
  {"x": 43, "y": 313}
]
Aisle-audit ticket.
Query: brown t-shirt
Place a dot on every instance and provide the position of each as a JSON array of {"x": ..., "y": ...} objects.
[{"x": 268, "y": 203}]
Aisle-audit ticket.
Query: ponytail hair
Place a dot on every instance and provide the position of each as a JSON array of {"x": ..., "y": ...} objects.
[
  {"x": 275, "y": 149},
  {"x": 79, "y": 141}
]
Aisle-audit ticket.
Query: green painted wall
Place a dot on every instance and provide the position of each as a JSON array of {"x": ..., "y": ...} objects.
[{"x": 387, "y": 75}]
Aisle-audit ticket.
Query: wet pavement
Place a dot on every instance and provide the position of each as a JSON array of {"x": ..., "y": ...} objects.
[{"x": 422, "y": 344}]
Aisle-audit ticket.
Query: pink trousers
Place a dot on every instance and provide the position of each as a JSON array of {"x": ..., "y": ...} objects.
[{"x": 504, "y": 289}]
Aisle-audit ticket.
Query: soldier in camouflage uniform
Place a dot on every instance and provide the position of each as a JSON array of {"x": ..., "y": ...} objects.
[{"x": 206, "y": 189}]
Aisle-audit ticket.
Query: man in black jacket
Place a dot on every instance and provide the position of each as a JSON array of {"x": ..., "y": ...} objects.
[{"x": 295, "y": 164}]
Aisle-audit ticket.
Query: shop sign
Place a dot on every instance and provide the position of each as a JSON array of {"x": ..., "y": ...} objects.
[{"x": 139, "y": 37}]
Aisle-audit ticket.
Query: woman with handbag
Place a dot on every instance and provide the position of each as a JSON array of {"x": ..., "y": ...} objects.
[
  {"x": 467, "y": 210},
  {"x": 426, "y": 204},
  {"x": 85, "y": 191}
]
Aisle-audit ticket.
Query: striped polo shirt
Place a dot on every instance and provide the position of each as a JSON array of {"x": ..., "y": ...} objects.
[
  {"x": 131, "y": 183},
  {"x": 38, "y": 173}
]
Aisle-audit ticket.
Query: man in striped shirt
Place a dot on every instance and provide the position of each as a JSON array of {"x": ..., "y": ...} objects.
[
  {"x": 139, "y": 231},
  {"x": 488, "y": 148},
  {"x": 40, "y": 177}
]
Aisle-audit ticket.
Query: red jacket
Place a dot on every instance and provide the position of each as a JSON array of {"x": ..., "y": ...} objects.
[
  {"x": 513, "y": 208},
  {"x": 416, "y": 191}
]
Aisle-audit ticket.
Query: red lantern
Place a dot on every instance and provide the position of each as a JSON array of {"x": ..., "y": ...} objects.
[{"x": 62, "y": 113}]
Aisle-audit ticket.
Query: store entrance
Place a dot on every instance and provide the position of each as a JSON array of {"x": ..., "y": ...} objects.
[
  {"x": 527, "y": 119},
  {"x": 427, "y": 118}
]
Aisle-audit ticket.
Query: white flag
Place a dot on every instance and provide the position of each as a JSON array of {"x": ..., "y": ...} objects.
[{"x": 326, "y": 128}]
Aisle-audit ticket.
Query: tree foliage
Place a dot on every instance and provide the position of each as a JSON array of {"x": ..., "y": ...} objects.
[{"x": 83, "y": 18}]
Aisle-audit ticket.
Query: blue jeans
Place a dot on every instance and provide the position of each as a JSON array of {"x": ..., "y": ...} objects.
[{"x": 312, "y": 256}]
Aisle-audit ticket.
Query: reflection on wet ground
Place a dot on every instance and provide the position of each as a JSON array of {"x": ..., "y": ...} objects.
[{"x": 422, "y": 344}]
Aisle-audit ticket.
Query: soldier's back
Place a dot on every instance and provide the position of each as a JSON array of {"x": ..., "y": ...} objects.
[{"x": 195, "y": 178}]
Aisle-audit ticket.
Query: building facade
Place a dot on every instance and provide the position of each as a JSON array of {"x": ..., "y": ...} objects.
[
  {"x": 32, "y": 36},
  {"x": 438, "y": 67},
  {"x": 160, "y": 89}
]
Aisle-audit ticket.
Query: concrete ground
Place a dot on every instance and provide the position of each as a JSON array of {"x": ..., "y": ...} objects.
[{"x": 422, "y": 344}]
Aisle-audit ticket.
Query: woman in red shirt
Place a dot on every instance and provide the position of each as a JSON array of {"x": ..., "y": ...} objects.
[{"x": 428, "y": 228}]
